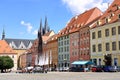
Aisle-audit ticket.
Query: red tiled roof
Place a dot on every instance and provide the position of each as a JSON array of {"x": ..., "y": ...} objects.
[
  {"x": 111, "y": 13},
  {"x": 80, "y": 21},
  {"x": 5, "y": 48},
  {"x": 54, "y": 37}
]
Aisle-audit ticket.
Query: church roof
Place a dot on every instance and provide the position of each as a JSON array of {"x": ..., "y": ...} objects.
[
  {"x": 5, "y": 48},
  {"x": 17, "y": 42}
]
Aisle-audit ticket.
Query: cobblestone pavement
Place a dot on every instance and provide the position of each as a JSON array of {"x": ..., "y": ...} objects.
[{"x": 61, "y": 76}]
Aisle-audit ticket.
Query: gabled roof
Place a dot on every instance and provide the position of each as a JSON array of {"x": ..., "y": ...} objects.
[
  {"x": 46, "y": 36},
  {"x": 17, "y": 42},
  {"x": 5, "y": 48},
  {"x": 111, "y": 14},
  {"x": 53, "y": 38},
  {"x": 80, "y": 21}
]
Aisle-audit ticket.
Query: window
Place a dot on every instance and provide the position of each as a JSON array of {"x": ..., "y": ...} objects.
[
  {"x": 67, "y": 36},
  {"x": 99, "y": 34},
  {"x": 59, "y": 57},
  {"x": 62, "y": 49},
  {"x": 93, "y": 35},
  {"x": 94, "y": 48},
  {"x": 119, "y": 45},
  {"x": 113, "y": 45},
  {"x": 107, "y": 32},
  {"x": 118, "y": 29},
  {"x": 119, "y": 16},
  {"x": 67, "y": 41},
  {"x": 113, "y": 31},
  {"x": 59, "y": 44},
  {"x": 99, "y": 47},
  {"x": 95, "y": 61},
  {"x": 118, "y": 7},
  {"x": 64, "y": 42},
  {"x": 98, "y": 23},
  {"x": 106, "y": 20},
  {"x": 61, "y": 38},
  {"x": 99, "y": 61},
  {"x": 107, "y": 47},
  {"x": 59, "y": 50},
  {"x": 12, "y": 56},
  {"x": 67, "y": 48}
]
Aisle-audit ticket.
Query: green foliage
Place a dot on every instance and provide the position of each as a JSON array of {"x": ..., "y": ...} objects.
[
  {"x": 6, "y": 62},
  {"x": 108, "y": 60}
]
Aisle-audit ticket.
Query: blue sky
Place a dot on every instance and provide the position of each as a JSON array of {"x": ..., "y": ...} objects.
[{"x": 21, "y": 18}]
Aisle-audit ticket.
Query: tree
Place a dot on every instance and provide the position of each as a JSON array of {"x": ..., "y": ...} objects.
[
  {"x": 6, "y": 63},
  {"x": 108, "y": 60}
]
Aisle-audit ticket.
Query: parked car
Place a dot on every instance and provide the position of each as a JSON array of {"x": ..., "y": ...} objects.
[
  {"x": 97, "y": 69},
  {"x": 76, "y": 69},
  {"x": 110, "y": 68},
  {"x": 39, "y": 69}
]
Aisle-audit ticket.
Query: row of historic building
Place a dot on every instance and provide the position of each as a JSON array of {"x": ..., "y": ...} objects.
[{"x": 88, "y": 36}]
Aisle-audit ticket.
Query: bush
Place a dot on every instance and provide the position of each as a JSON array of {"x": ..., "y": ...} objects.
[{"x": 6, "y": 63}]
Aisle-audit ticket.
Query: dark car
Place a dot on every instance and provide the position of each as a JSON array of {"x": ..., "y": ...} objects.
[
  {"x": 97, "y": 69},
  {"x": 76, "y": 69},
  {"x": 110, "y": 69}
]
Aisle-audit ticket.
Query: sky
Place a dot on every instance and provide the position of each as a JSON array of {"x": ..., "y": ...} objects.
[{"x": 20, "y": 19}]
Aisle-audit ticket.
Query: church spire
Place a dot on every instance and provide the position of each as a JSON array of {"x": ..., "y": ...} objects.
[
  {"x": 40, "y": 31},
  {"x": 46, "y": 25},
  {"x": 3, "y": 34}
]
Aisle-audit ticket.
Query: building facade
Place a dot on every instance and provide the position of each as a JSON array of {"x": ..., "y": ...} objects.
[
  {"x": 63, "y": 52},
  {"x": 6, "y": 50},
  {"x": 79, "y": 37},
  {"x": 105, "y": 36},
  {"x": 52, "y": 50}
]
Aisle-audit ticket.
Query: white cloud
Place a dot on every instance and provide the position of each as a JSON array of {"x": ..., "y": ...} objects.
[
  {"x": 28, "y": 25},
  {"x": 35, "y": 32},
  {"x": 79, "y": 6}
]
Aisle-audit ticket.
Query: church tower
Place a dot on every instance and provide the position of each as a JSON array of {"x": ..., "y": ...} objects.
[
  {"x": 3, "y": 34},
  {"x": 40, "y": 40}
]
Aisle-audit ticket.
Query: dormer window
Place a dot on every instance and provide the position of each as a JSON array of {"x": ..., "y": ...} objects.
[
  {"x": 98, "y": 23},
  {"x": 118, "y": 7},
  {"x": 119, "y": 16},
  {"x": 112, "y": 14},
  {"x": 106, "y": 20}
]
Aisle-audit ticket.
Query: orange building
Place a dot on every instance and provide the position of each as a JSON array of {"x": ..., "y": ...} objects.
[
  {"x": 52, "y": 49},
  {"x": 88, "y": 18},
  {"x": 6, "y": 50}
]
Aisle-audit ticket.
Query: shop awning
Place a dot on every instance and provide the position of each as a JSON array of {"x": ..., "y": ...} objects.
[{"x": 82, "y": 63}]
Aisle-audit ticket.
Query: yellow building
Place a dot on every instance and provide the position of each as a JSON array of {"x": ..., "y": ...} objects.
[{"x": 105, "y": 36}]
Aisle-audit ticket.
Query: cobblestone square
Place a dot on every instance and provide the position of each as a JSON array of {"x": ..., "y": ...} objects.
[{"x": 61, "y": 76}]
